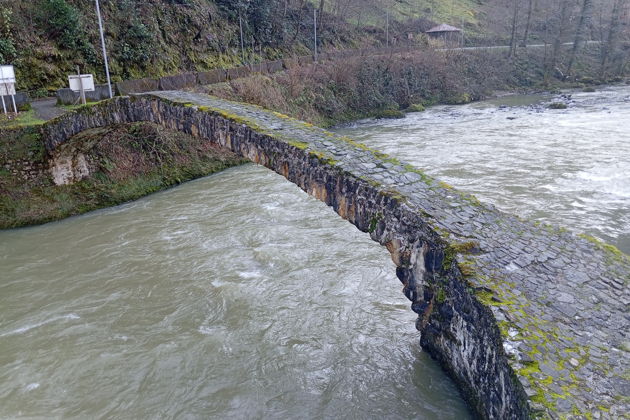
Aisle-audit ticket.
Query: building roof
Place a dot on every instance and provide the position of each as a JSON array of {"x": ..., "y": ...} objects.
[{"x": 444, "y": 28}]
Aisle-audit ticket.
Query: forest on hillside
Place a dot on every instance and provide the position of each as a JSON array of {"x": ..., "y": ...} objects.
[{"x": 47, "y": 39}]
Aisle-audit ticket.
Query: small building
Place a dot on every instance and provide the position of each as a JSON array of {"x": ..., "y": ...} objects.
[{"x": 446, "y": 33}]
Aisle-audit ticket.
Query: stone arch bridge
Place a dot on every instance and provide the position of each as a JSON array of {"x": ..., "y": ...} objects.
[{"x": 530, "y": 321}]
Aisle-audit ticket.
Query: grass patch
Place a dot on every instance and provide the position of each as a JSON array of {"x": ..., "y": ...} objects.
[{"x": 23, "y": 119}]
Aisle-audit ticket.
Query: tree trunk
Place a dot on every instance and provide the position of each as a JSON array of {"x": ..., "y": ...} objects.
[
  {"x": 514, "y": 25},
  {"x": 586, "y": 16},
  {"x": 530, "y": 9},
  {"x": 557, "y": 42},
  {"x": 322, "y": 4},
  {"x": 611, "y": 40}
]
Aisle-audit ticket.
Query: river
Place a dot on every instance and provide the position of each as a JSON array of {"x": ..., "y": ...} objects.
[
  {"x": 233, "y": 296},
  {"x": 239, "y": 296},
  {"x": 568, "y": 168}
]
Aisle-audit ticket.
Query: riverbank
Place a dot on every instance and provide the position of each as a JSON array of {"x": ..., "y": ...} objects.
[
  {"x": 98, "y": 168},
  {"x": 387, "y": 86}
]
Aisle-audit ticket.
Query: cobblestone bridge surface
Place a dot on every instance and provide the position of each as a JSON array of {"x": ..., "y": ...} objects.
[{"x": 529, "y": 320}]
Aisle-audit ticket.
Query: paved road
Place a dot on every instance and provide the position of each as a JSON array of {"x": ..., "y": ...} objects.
[
  {"x": 45, "y": 109},
  {"x": 507, "y": 47}
]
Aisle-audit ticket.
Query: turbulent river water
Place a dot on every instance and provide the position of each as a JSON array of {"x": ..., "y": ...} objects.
[
  {"x": 569, "y": 168},
  {"x": 238, "y": 296},
  {"x": 233, "y": 296}
]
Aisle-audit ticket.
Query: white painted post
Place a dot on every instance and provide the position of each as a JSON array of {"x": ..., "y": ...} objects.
[
  {"x": 14, "y": 106},
  {"x": 4, "y": 105},
  {"x": 81, "y": 91},
  {"x": 100, "y": 27}
]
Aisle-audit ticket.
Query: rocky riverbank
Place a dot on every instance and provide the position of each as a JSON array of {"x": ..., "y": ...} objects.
[{"x": 97, "y": 168}]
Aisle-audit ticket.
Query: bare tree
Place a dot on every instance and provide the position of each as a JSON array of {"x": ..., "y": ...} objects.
[
  {"x": 609, "y": 46},
  {"x": 528, "y": 22},
  {"x": 514, "y": 27},
  {"x": 586, "y": 15},
  {"x": 563, "y": 17}
]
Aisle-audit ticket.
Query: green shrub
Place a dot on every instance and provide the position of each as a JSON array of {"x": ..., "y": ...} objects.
[
  {"x": 8, "y": 51},
  {"x": 458, "y": 99},
  {"x": 416, "y": 108},
  {"x": 40, "y": 93},
  {"x": 134, "y": 48},
  {"x": 389, "y": 114},
  {"x": 63, "y": 23},
  {"x": 24, "y": 107},
  {"x": 557, "y": 105}
]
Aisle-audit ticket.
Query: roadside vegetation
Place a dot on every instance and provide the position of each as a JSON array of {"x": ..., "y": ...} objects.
[{"x": 348, "y": 89}]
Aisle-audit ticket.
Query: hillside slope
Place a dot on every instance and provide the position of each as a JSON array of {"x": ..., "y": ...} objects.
[{"x": 47, "y": 39}]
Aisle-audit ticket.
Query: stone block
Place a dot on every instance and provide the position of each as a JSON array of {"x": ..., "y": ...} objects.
[
  {"x": 238, "y": 72},
  {"x": 211, "y": 77},
  {"x": 127, "y": 87},
  {"x": 67, "y": 96},
  {"x": 21, "y": 100},
  {"x": 178, "y": 81},
  {"x": 289, "y": 63},
  {"x": 274, "y": 66},
  {"x": 305, "y": 60}
]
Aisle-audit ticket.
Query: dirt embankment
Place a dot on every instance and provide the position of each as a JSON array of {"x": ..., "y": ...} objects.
[{"x": 97, "y": 168}]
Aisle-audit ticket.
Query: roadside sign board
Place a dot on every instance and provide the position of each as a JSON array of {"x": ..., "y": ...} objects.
[
  {"x": 7, "y": 89},
  {"x": 77, "y": 80},
  {"x": 7, "y": 74},
  {"x": 7, "y": 86}
]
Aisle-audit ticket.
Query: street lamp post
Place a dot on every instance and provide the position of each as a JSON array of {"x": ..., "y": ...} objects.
[{"x": 100, "y": 27}]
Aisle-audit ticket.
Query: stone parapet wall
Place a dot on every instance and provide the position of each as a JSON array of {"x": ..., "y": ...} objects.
[
  {"x": 528, "y": 320},
  {"x": 67, "y": 96}
]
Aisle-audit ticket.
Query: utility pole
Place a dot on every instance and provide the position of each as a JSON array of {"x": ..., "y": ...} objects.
[
  {"x": 240, "y": 25},
  {"x": 315, "y": 29},
  {"x": 100, "y": 28}
]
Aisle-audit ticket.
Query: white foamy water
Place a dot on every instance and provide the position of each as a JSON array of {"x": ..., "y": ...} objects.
[{"x": 565, "y": 167}]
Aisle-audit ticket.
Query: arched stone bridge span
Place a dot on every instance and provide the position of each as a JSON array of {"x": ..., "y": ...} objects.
[{"x": 529, "y": 320}]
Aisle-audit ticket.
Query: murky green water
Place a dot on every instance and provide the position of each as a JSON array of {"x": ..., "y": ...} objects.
[
  {"x": 565, "y": 167},
  {"x": 234, "y": 296}
]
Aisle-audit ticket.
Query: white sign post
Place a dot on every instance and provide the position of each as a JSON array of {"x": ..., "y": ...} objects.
[
  {"x": 7, "y": 86},
  {"x": 81, "y": 83}
]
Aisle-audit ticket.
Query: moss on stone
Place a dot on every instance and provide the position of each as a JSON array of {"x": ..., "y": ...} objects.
[
  {"x": 374, "y": 222},
  {"x": 416, "y": 108}
]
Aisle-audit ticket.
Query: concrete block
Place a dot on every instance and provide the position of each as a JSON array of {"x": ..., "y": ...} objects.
[
  {"x": 127, "y": 87},
  {"x": 178, "y": 81},
  {"x": 211, "y": 77}
]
